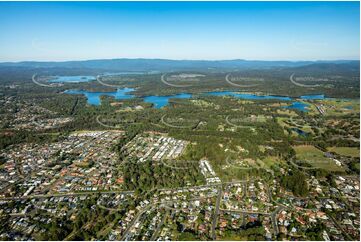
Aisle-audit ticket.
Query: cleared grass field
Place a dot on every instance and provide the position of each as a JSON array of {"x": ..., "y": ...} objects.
[
  {"x": 287, "y": 112},
  {"x": 270, "y": 161},
  {"x": 316, "y": 158},
  {"x": 346, "y": 151}
]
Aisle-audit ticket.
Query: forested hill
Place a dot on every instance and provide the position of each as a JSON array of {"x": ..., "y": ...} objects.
[
  {"x": 146, "y": 65},
  {"x": 346, "y": 68}
]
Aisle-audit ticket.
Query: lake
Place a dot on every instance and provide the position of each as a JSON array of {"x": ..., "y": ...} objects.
[
  {"x": 313, "y": 97},
  {"x": 248, "y": 96},
  {"x": 93, "y": 98},
  {"x": 299, "y": 106},
  {"x": 78, "y": 79},
  {"x": 162, "y": 101},
  {"x": 300, "y": 131},
  {"x": 73, "y": 79}
]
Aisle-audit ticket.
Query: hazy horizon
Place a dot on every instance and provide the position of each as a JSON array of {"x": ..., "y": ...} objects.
[{"x": 155, "y": 58}]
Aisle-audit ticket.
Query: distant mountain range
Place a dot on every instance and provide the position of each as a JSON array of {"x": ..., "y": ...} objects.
[{"x": 161, "y": 65}]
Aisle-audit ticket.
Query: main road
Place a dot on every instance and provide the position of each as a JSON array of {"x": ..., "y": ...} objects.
[{"x": 216, "y": 211}]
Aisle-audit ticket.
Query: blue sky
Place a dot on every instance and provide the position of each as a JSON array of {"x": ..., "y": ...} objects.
[{"x": 179, "y": 30}]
